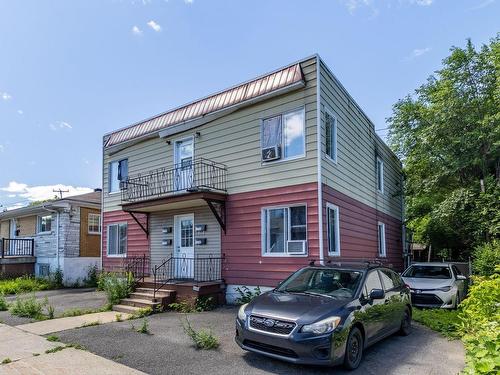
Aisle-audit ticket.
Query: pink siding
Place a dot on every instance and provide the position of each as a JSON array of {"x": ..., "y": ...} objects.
[
  {"x": 241, "y": 244},
  {"x": 358, "y": 229},
  {"x": 137, "y": 241}
]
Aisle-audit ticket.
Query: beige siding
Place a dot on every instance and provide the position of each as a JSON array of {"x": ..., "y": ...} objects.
[
  {"x": 5, "y": 229},
  {"x": 234, "y": 140},
  {"x": 354, "y": 174},
  {"x": 27, "y": 226},
  {"x": 202, "y": 215}
]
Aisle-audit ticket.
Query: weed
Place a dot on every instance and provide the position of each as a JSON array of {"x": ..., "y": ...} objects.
[
  {"x": 141, "y": 313},
  {"x": 182, "y": 307},
  {"x": 90, "y": 324},
  {"x": 52, "y": 338},
  {"x": 28, "y": 307},
  {"x": 50, "y": 311},
  {"x": 119, "y": 317},
  {"x": 55, "y": 350},
  {"x": 144, "y": 328},
  {"x": 78, "y": 312},
  {"x": 203, "y": 338},
  {"x": 444, "y": 321},
  {"x": 3, "y": 303},
  {"x": 76, "y": 283},
  {"x": 76, "y": 346},
  {"x": 246, "y": 295},
  {"x": 200, "y": 304},
  {"x": 92, "y": 277},
  {"x": 57, "y": 278},
  {"x": 23, "y": 284},
  {"x": 6, "y": 360},
  {"x": 36, "y": 354},
  {"x": 116, "y": 287}
]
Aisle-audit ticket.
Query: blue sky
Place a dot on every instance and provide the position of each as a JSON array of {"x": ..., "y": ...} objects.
[{"x": 71, "y": 71}]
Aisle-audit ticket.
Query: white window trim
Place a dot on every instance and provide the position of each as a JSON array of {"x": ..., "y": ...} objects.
[
  {"x": 264, "y": 232},
  {"x": 379, "y": 160},
  {"x": 337, "y": 228},
  {"x": 109, "y": 176},
  {"x": 124, "y": 255},
  {"x": 283, "y": 158},
  {"x": 382, "y": 252},
  {"x": 39, "y": 224},
  {"x": 335, "y": 148},
  {"x": 88, "y": 221}
]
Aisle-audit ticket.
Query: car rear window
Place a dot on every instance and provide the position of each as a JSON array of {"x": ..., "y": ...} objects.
[{"x": 428, "y": 272}]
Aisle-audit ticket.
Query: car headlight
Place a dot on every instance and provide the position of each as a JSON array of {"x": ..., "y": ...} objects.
[
  {"x": 241, "y": 313},
  {"x": 323, "y": 326},
  {"x": 444, "y": 289}
]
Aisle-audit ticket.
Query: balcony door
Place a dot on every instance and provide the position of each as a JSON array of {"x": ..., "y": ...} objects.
[
  {"x": 184, "y": 246},
  {"x": 183, "y": 160}
]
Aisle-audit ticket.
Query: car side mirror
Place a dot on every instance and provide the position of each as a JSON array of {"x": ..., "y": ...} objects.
[
  {"x": 377, "y": 294},
  {"x": 461, "y": 277}
]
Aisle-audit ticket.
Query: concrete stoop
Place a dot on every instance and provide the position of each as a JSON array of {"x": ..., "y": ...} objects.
[{"x": 143, "y": 298}]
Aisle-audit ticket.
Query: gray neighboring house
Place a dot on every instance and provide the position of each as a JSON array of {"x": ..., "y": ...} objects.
[{"x": 64, "y": 233}]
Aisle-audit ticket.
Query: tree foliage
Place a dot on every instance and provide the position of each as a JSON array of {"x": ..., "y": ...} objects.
[{"x": 448, "y": 135}]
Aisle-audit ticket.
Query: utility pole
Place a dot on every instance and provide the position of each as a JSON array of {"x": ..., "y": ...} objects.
[{"x": 60, "y": 192}]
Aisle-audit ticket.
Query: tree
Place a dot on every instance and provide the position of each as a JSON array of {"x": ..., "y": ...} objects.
[{"x": 448, "y": 135}]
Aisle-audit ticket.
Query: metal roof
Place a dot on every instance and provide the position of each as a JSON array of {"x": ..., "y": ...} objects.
[{"x": 238, "y": 94}]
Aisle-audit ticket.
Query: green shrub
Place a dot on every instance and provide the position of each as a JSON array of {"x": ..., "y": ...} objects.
[
  {"x": 28, "y": 307},
  {"x": 202, "y": 339},
  {"x": 116, "y": 287},
  {"x": 3, "y": 303},
  {"x": 444, "y": 321},
  {"x": 480, "y": 318},
  {"x": 92, "y": 278},
  {"x": 23, "y": 284},
  {"x": 246, "y": 295},
  {"x": 205, "y": 304},
  {"x": 57, "y": 278},
  {"x": 485, "y": 258}
]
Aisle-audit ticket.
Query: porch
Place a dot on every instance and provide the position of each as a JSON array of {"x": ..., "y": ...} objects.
[{"x": 17, "y": 257}]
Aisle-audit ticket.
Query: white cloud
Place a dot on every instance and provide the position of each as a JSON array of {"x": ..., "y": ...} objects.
[
  {"x": 136, "y": 30},
  {"x": 12, "y": 195},
  {"x": 60, "y": 125},
  {"x": 20, "y": 111},
  {"x": 424, "y": 3},
  {"x": 156, "y": 27},
  {"x": 37, "y": 193},
  {"x": 417, "y": 52},
  {"x": 5, "y": 95},
  {"x": 189, "y": 1},
  {"x": 2, "y": 148},
  {"x": 482, "y": 5},
  {"x": 85, "y": 161},
  {"x": 353, "y": 5}
]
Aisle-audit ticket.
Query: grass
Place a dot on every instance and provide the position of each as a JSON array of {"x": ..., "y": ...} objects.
[
  {"x": 78, "y": 312},
  {"x": 55, "y": 350},
  {"x": 28, "y": 307},
  {"x": 6, "y": 360},
  {"x": 90, "y": 324},
  {"x": 443, "y": 321},
  {"x": 24, "y": 284},
  {"x": 52, "y": 338},
  {"x": 141, "y": 313}
]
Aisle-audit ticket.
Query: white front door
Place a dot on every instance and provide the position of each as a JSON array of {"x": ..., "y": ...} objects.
[
  {"x": 184, "y": 246},
  {"x": 183, "y": 159}
]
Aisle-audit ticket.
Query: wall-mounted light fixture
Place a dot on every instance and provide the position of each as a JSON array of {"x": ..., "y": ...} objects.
[
  {"x": 168, "y": 141},
  {"x": 197, "y": 135}
]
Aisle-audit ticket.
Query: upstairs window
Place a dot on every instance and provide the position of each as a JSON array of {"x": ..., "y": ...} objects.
[
  {"x": 283, "y": 136},
  {"x": 331, "y": 136},
  {"x": 44, "y": 223},
  {"x": 380, "y": 175},
  {"x": 94, "y": 223},
  {"x": 284, "y": 230},
  {"x": 381, "y": 239},
  {"x": 118, "y": 171}
]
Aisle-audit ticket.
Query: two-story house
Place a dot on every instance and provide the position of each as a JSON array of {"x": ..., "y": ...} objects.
[{"x": 268, "y": 174}]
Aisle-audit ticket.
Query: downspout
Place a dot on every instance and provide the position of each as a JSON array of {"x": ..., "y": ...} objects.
[
  {"x": 320, "y": 173},
  {"x": 57, "y": 234},
  {"x": 102, "y": 201}
]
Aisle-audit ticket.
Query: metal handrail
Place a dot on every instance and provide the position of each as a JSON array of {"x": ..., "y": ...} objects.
[
  {"x": 197, "y": 175},
  {"x": 137, "y": 266},
  {"x": 17, "y": 247}
]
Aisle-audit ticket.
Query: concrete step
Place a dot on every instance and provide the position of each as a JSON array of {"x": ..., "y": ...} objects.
[
  {"x": 142, "y": 303},
  {"x": 163, "y": 292},
  {"x": 126, "y": 309}
]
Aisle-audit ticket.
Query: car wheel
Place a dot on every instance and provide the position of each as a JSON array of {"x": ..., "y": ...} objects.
[
  {"x": 405, "y": 328},
  {"x": 457, "y": 301},
  {"x": 354, "y": 349}
]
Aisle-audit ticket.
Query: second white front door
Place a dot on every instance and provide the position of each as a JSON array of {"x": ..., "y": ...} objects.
[
  {"x": 183, "y": 159},
  {"x": 184, "y": 246}
]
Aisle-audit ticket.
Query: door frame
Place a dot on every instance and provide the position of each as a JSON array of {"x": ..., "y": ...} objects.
[
  {"x": 178, "y": 172},
  {"x": 177, "y": 219}
]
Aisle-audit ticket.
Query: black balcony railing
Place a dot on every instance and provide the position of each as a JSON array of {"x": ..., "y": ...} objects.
[
  {"x": 17, "y": 247},
  {"x": 191, "y": 176}
]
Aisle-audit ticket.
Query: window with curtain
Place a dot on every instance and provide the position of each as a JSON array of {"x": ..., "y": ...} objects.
[{"x": 284, "y": 230}]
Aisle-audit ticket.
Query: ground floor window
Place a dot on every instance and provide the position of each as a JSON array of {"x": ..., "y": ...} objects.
[
  {"x": 381, "y": 239},
  {"x": 284, "y": 230},
  {"x": 117, "y": 239},
  {"x": 332, "y": 222},
  {"x": 44, "y": 224},
  {"x": 94, "y": 223}
]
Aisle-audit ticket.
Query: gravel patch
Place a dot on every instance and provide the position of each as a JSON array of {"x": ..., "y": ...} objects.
[{"x": 167, "y": 350}]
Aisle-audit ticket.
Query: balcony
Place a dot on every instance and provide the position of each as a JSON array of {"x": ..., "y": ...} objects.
[{"x": 200, "y": 175}]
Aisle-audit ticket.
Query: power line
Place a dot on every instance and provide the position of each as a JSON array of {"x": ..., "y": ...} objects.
[{"x": 60, "y": 191}]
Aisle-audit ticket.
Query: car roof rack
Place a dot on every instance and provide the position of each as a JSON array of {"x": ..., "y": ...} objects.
[{"x": 369, "y": 263}]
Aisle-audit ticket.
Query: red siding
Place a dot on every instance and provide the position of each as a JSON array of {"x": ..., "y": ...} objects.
[
  {"x": 137, "y": 241},
  {"x": 358, "y": 229},
  {"x": 242, "y": 242}
]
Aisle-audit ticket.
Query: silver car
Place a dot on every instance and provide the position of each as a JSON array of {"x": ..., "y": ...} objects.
[{"x": 435, "y": 285}]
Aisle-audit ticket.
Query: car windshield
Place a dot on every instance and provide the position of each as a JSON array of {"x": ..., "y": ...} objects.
[
  {"x": 428, "y": 272},
  {"x": 333, "y": 283}
]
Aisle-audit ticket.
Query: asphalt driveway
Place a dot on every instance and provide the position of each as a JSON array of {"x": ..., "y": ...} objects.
[
  {"x": 62, "y": 300},
  {"x": 167, "y": 350}
]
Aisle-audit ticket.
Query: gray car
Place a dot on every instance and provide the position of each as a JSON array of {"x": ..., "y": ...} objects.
[{"x": 326, "y": 315}]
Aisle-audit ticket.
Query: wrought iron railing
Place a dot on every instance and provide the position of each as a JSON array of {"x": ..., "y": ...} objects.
[
  {"x": 197, "y": 269},
  {"x": 17, "y": 247},
  {"x": 198, "y": 175},
  {"x": 138, "y": 266}
]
